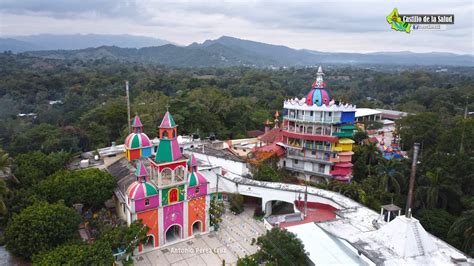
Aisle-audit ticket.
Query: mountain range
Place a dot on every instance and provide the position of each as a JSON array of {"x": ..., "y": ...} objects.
[
  {"x": 222, "y": 52},
  {"x": 41, "y": 42}
]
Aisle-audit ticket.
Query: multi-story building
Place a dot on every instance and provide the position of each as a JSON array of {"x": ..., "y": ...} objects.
[
  {"x": 316, "y": 133},
  {"x": 169, "y": 194}
]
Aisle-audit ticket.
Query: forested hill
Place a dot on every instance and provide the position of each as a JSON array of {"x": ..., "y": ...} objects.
[{"x": 229, "y": 51}]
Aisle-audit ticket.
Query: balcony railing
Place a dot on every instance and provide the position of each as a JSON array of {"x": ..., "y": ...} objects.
[
  {"x": 309, "y": 119},
  {"x": 308, "y": 157},
  {"x": 343, "y": 134}
]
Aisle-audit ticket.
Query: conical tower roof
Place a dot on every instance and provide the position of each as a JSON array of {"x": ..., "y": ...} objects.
[
  {"x": 136, "y": 122},
  {"x": 168, "y": 121},
  {"x": 192, "y": 162},
  {"x": 141, "y": 170}
]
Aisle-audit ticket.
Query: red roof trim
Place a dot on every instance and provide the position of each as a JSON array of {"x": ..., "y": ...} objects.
[{"x": 309, "y": 137}]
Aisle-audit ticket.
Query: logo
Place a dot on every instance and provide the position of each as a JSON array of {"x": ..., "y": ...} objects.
[
  {"x": 407, "y": 23},
  {"x": 396, "y": 21}
]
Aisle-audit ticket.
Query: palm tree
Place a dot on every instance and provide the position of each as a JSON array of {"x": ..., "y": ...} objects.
[
  {"x": 389, "y": 174},
  {"x": 464, "y": 225},
  {"x": 438, "y": 186},
  {"x": 371, "y": 154}
]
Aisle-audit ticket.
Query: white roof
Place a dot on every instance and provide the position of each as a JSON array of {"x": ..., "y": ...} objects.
[
  {"x": 323, "y": 248},
  {"x": 394, "y": 243},
  {"x": 406, "y": 237},
  {"x": 366, "y": 112}
]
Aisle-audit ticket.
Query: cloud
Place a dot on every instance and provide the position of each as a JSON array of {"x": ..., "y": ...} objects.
[{"x": 338, "y": 25}]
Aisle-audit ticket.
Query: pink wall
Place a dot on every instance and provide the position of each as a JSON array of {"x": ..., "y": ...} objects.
[
  {"x": 140, "y": 204},
  {"x": 192, "y": 191},
  {"x": 168, "y": 212}
]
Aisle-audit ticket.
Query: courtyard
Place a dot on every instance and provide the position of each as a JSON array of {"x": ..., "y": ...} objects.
[{"x": 233, "y": 240}]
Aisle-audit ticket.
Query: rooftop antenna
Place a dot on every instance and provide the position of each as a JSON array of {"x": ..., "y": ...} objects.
[
  {"x": 128, "y": 107},
  {"x": 416, "y": 147}
]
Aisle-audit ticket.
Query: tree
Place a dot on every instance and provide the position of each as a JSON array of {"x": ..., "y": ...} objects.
[
  {"x": 236, "y": 203},
  {"x": 437, "y": 222},
  {"x": 91, "y": 187},
  {"x": 216, "y": 210},
  {"x": 98, "y": 253},
  {"x": 436, "y": 188},
  {"x": 45, "y": 225},
  {"x": 389, "y": 175},
  {"x": 464, "y": 226},
  {"x": 265, "y": 172},
  {"x": 360, "y": 136},
  {"x": 127, "y": 237},
  {"x": 280, "y": 247},
  {"x": 34, "y": 166}
]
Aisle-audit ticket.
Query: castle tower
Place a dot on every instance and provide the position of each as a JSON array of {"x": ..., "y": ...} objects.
[
  {"x": 168, "y": 150},
  {"x": 137, "y": 144},
  {"x": 317, "y": 134},
  {"x": 142, "y": 199}
]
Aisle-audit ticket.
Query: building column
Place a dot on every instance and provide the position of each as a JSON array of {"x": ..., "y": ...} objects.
[
  {"x": 185, "y": 220},
  {"x": 161, "y": 229}
]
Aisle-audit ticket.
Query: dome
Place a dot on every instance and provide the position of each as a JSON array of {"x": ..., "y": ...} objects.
[
  {"x": 318, "y": 97},
  {"x": 140, "y": 190},
  {"x": 196, "y": 179},
  {"x": 137, "y": 141}
]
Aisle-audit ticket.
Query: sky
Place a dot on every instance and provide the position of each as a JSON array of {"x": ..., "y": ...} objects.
[{"x": 322, "y": 25}]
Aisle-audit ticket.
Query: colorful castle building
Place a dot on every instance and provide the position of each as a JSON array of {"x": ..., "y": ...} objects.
[
  {"x": 316, "y": 133},
  {"x": 169, "y": 194}
]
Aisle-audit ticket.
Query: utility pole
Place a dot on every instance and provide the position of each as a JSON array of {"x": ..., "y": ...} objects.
[
  {"x": 461, "y": 148},
  {"x": 416, "y": 147},
  {"x": 128, "y": 107}
]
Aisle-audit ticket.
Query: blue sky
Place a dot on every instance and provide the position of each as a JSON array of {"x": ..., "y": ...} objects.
[{"x": 348, "y": 26}]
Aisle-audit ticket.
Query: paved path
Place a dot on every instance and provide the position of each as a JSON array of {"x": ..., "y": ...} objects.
[{"x": 233, "y": 240}]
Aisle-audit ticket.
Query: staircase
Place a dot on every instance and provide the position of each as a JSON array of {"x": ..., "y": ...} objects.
[{"x": 419, "y": 244}]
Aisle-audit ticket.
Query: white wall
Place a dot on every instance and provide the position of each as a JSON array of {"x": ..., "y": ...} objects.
[{"x": 238, "y": 168}]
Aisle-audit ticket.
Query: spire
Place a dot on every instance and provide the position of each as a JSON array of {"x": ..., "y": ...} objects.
[
  {"x": 168, "y": 121},
  {"x": 319, "y": 83},
  {"x": 141, "y": 171},
  {"x": 137, "y": 124},
  {"x": 192, "y": 162}
]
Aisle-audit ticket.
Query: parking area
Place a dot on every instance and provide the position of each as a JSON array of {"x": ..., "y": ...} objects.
[{"x": 233, "y": 240}]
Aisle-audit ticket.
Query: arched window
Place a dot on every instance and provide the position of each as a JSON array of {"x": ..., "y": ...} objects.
[
  {"x": 179, "y": 173},
  {"x": 166, "y": 176},
  {"x": 147, "y": 202},
  {"x": 309, "y": 130},
  {"x": 196, "y": 191},
  {"x": 165, "y": 135}
]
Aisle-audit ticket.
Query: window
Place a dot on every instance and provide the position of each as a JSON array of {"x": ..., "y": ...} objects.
[
  {"x": 147, "y": 202},
  {"x": 329, "y": 114},
  {"x": 179, "y": 173},
  {"x": 295, "y": 161},
  {"x": 311, "y": 113},
  {"x": 196, "y": 191},
  {"x": 321, "y": 168}
]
